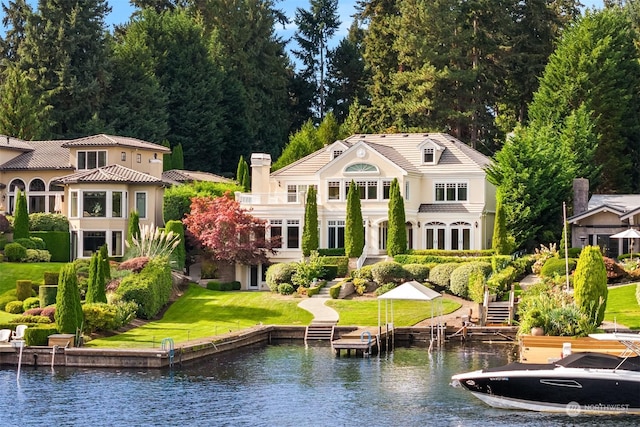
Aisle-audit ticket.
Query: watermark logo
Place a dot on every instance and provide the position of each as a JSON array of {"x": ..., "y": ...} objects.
[{"x": 573, "y": 409}]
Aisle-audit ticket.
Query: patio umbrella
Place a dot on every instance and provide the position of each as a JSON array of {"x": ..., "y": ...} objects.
[
  {"x": 630, "y": 233},
  {"x": 57, "y": 205}
]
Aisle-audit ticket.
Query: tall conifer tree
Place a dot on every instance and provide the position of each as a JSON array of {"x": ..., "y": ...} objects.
[
  {"x": 21, "y": 217},
  {"x": 354, "y": 229},
  {"x": 396, "y": 228},
  {"x": 310, "y": 230}
]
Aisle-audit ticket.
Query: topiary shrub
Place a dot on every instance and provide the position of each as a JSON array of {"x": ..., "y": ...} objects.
[
  {"x": 23, "y": 289},
  {"x": 334, "y": 291},
  {"x": 15, "y": 252},
  {"x": 285, "y": 289},
  {"x": 557, "y": 267},
  {"x": 590, "y": 290},
  {"x": 280, "y": 273},
  {"x": 31, "y": 302},
  {"x": 388, "y": 272},
  {"x": 39, "y": 336},
  {"x": 214, "y": 285},
  {"x": 341, "y": 261},
  {"x": 14, "y": 307},
  {"x": 37, "y": 255},
  {"x": 459, "y": 282},
  {"x": 179, "y": 253},
  {"x": 51, "y": 278},
  {"x": 58, "y": 243},
  {"x": 441, "y": 274},
  {"x": 417, "y": 272}
]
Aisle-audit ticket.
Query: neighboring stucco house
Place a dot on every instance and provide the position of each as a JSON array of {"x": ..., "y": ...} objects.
[
  {"x": 95, "y": 181},
  {"x": 596, "y": 219},
  {"x": 449, "y": 202}
]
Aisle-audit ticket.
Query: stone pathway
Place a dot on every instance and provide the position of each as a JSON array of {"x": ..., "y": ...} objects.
[{"x": 321, "y": 313}]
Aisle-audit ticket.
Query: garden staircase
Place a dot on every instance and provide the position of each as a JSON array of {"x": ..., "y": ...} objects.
[
  {"x": 498, "y": 312},
  {"x": 319, "y": 331}
]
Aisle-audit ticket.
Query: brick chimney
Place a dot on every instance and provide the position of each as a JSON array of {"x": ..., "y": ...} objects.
[{"x": 580, "y": 195}]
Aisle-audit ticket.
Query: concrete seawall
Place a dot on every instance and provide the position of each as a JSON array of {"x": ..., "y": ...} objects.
[{"x": 183, "y": 352}]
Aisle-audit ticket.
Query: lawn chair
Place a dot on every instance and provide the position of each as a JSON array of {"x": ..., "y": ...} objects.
[
  {"x": 19, "y": 333},
  {"x": 5, "y": 335}
]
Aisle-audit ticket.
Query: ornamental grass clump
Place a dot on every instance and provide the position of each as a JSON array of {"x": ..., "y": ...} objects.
[{"x": 152, "y": 243}]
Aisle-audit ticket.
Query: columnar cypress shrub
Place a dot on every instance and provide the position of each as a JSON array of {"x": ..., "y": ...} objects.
[
  {"x": 21, "y": 219},
  {"x": 68, "y": 306},
  {"x": 177, "y": 157},
  {"x": 179, "y": 254},
  {"x": 353, "y": 230},
  {"x": 310, "y": 229},
  {"x": 104, "y": 258},
  {"x": 242, "y": 174},
  {"x": 134, "y": 226},
  {"x": 500, "y": 242},
  {"x": 590, "y": 284},
  {"x": 95, "y": 284},
  {"x": 396, "y": 225},
  {"x": 167, "y": 163},
  {"x": 47, "y": 294}
]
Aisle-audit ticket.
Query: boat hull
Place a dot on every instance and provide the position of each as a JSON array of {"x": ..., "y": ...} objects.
[{"x": 565, "y": 390}]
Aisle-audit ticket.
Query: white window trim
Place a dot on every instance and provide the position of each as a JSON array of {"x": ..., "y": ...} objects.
[
  {"x": 445, "y": 183},
  {"x": 146, "y": 203}
]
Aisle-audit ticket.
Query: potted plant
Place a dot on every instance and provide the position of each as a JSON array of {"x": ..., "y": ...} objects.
[{"x": 537, "y": 323}]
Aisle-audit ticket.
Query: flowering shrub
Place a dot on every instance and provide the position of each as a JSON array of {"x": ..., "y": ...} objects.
[{"x": 542, "y": 255}]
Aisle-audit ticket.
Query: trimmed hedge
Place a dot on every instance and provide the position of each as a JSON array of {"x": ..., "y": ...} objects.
[
  {"x": 417, "y": 272},
  {"x": 15, "y": 252},
  {"x": 31, "y": 302},
  {"x": 388, "y": 272},
  {"x": 557, "y": 266},
  {"x": 438, "y": 259},
  {"x": 43, "y": 221},
  {"x": 441, "y": 274},
  {"x": 7, "y": 298},
  {"x": 469, "y": 253},
  {"x": 23, "y": 289},
  {"x": 47, "y": 294},
  {"x": 459, "y": 281},
  {"x": 51, "y": 278},
  {"x": 330, "y": 272},
  {"x": 150, "y": 289},
  {"x": 14, "y": 307},
  {"x": 331, "y": 252},
  {"x": 58, "y": 244},
  {"x": 39, "y": 335},
  {"x": 342, "y": 262},
  {"x": 224, "y": 286},
  {"x": 334, "y": 291},
  {"x": 280, "y": 273}
]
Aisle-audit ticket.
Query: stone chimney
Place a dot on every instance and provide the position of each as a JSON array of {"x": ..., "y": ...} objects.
[
  {"x": 260, "y": 170},
  {"x": 580, "y": 195}
]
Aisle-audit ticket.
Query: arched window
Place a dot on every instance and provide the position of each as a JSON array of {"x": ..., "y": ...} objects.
[
  {"x": 37, "y": 185},
  {"x": 16, "y": 184},
  {"x": 361, "y": 167}
]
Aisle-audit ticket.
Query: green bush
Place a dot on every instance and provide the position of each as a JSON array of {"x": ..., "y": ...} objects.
[
  {"x": 179, "y": 253},
  {"x": 15, "y": 252},
  {"x": 441, "y": 274},
  {"x": 26, "y": 243},
  {"x": 501, "y": 282},
  {"x": 363, "y": 273},
  {"x": 341, "y": 261},
  {"x": 39, "y": 336},
  {"x": 6, "y": 298},
  {"x": 51, "y": 278},
  {"x": 29, "y": 318},
  {"x": 385, "y": 288},
  {"x": 476, "y": 286},
  {"x": 58, "y": 243},
  {"x": 330, "y": 272},
  {"x": 37, "y": 255},
  {"x": 280, "y": 273},
  {"x": 23, "y": 289},
  {"x": 42, "y": 221},
  {"x": 331, "y": 252},
  {"x": 459, "y": 282},
  {"x": 208, "y": 270},
  {"x": 285, "y": 289},
  {"x": 150, "y": 289},
  {"x": 14, "y": 307},
  {"x": 388, "y": 272},
  {"x": 99, "y": 316},
  {"x": 40, "y": 244},
  {"x": 417, "y": 272},
  {"x": 224, "y": 286},
  {"x": 556, "y": 266},
  {"x": 334, "y": 291},
  {"x": 31, "y": 302},
  {"x": 236, "y": 286},
  {"x": 307, "y": 271}
]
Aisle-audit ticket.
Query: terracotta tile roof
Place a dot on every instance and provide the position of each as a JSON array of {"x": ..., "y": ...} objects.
[
  {"x": 443, "y": 208},
  {"x": 110, "y": 174},
  {"x": 43, "y": 155},
  {"x": 178, "y": 176},
  {"x": 14, "y": 143},
  {"x": 102, "y": 140}
]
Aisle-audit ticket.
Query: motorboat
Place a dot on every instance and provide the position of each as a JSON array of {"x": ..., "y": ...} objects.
[{"x": 579, "y": 383}]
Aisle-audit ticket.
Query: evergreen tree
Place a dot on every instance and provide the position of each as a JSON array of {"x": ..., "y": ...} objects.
[
  {"x": 177, "y": 157},
  {"x": 167, "y": 160},
  {"x": 21, "y": 217},
  {"x": 354, "y": 229},
  {"x": 179, "y": 254},
  {"x": 316, "y": 27},
  {"x": 68, "y": 313},
  {"x": 95, "y": 284},
  {"x": 396, "y": 225},
  {"x": 106, "y": 266},
  {"x": 242, "y": 174},
  {"x": 133, "y": 230},
  {"x": 590, "y": 284},
  {"x": 301, "y": 144},
  {"x": 65, "y": 52},
  {"x": 16, "y": 14},
  {"x": 596, "y": 65},
  {"x": 328, "y": 132},
  {"x": 310, "y": 230},
  {"x": 500, "y": 240}
]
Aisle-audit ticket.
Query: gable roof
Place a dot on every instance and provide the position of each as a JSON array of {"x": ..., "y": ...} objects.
[
  {"x": 102, "y": 140},
  {"x": 623, "y": 205},
  {"x": 179, "y": 176},
  {"x": 112, "y": 174},
  {"x": 42, "y": 155},
  {"x": 402, "y": 150},
  {"x": 12, "y": 143}
]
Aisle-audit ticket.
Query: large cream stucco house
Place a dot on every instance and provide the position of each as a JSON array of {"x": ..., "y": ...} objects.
[
  {"x": 449, "y": 202},
  {"x": 96, "y": 181}
]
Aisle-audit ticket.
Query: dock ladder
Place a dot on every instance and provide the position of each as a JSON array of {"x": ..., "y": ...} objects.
[{"x": 167, "y": 345}]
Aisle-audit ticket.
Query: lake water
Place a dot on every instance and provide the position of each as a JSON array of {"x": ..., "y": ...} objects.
[{"x": 282, "y": 385}]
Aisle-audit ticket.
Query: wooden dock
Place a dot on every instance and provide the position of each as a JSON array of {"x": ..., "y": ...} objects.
[
  {"x": 545, "y": 349},
  {"x": 362, "y": 342}
]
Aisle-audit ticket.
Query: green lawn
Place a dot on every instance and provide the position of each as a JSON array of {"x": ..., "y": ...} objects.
[
  {"x": 202, "y": 313},
  {"x": 405, "y": 313},
  {"x": 622, "y": 306}
]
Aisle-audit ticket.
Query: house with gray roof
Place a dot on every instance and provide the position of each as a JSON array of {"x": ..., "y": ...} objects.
[{"x": 449, "y": 202}]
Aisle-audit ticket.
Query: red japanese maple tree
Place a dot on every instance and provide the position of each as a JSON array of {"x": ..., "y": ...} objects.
[{"x": 228, "y": 232}]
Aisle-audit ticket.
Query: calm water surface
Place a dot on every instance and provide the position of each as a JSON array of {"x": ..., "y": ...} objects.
[{"x": 273, "y": 386}]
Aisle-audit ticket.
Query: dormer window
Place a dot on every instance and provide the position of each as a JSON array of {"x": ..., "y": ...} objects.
[
  {"x": 336, "y": 153},
  {"x": 430, "y": 152},
  {"x": 427, "y": 155}
]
